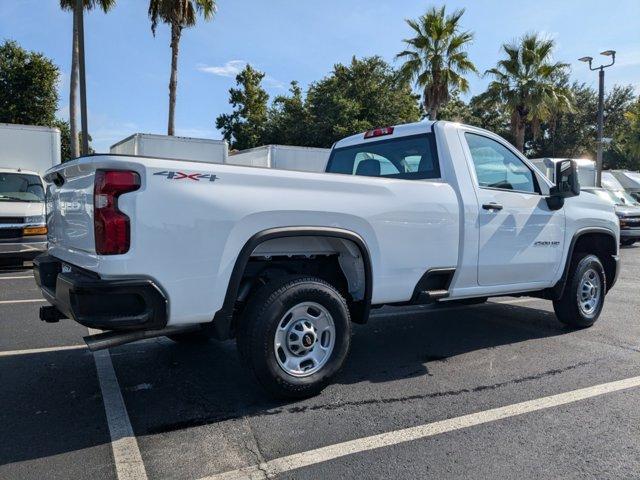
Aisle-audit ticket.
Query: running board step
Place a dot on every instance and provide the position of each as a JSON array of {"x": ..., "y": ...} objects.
[{"x": 429, "y": 296}]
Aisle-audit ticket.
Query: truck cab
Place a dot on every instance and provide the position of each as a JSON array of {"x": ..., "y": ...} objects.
[{"x": 23, "y": 232}]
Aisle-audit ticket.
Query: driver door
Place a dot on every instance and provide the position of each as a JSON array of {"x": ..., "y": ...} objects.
[{"x": 520, "y": 238}]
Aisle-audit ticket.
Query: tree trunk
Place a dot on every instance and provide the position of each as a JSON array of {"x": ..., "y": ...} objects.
[
  {"x": 176, "y": 31},
  {"x": 519, "y": 134},
  {"x": 73, "y": 92}
]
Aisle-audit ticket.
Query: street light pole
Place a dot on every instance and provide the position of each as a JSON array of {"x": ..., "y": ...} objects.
[
  {"x": 79, "y": 13},
  {"x": 600, "y": 126},
  {"x": 612, "y": 54}
]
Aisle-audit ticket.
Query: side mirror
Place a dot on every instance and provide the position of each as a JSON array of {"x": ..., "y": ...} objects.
[{"x": 567, "y": 184}]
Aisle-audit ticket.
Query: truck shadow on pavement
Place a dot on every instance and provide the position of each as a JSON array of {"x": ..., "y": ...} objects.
[
  {"x": 207, "y": 384},
  {"x": 52, "y": 401}
]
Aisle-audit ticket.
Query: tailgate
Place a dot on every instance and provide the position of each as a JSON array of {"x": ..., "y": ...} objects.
[{"x": 70, "y": 207}]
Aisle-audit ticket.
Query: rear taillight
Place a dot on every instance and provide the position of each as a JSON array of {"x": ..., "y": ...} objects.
[{"x": 111, "y": 226}]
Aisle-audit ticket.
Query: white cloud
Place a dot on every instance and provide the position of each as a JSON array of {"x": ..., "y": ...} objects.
[
  {"x": 229, "y": 69},
  {"x": 233, "y": 68},
  {"x": 273, "y": 83}
]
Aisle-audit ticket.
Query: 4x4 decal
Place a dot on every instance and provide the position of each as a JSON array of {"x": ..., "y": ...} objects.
[{"x": 188, "y": 176}]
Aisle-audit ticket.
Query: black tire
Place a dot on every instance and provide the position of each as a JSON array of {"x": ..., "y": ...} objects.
[
  {"x": 192, "y": 338},
  {"x": 262, "y": 317},
  {"x": 627, "y": 242},
  {"x": 567, "y": 308}
]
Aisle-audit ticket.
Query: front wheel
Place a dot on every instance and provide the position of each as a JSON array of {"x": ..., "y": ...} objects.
[
  {"x": 583, "y": 296},
  {"x": 295, "y": 335}
]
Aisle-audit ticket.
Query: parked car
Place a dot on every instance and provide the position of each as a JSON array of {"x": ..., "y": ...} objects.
[
  {"x": 627, "y": 209},
  {"x": 630, "y": 181},
  {"x": 284, "y": 261},
  {"x": 26, "y": 152}
]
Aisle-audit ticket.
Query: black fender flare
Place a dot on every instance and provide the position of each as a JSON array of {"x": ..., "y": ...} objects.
[
  {"x": 558, "y": 289},
  {"x": 359, "y": 310}
]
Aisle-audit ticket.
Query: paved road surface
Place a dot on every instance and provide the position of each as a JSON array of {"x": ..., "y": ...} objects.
[{"x": 194, "y": 413}]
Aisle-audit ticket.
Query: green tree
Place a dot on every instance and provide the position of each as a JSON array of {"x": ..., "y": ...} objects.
[
  {"x": 289, "y": 120},
  {"x": 573, "y": 134},
  {"x": 526, "y": 84},
  {"x": 245, "y": 127},
  {"x": 28, "y": 82},
  {"x": 105, "y": 6},
  {"x": 631, "y": 140},
  {"x": 179, "y": 14},
  {"x": 435, "y": 57},
  {"x": 365, "y": 94}
]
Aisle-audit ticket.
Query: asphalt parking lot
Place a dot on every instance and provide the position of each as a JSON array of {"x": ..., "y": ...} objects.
[{"x": 445, "y": 387}]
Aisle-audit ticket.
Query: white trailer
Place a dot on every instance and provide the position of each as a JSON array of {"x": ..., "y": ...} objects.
[
  {"x": 29, "y": 147},
  {"x": 283, "y": 157},
  {"x": 178, "y": 148}
]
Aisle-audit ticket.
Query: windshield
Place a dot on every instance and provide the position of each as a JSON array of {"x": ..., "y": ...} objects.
[
  {"x": 605, "y": 195},
  {"x": 20, "y": 187},
  {"x": 623, "y": 198}
]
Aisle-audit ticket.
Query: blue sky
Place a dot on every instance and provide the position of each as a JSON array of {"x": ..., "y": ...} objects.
[{"x": 128, "y": 68}]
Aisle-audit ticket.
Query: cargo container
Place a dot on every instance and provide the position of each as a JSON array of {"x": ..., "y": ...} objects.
[
  {"x": 283, "y": 157},
  {"x": 178, "y": 148},
  {"x": 29, "y": 147}
]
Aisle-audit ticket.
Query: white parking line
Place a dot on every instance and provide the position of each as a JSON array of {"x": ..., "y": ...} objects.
[
  {"x": 9, "y": 353},
  {"x": 15, "y": 278},
  {"x": 299, "y": 460},
  {"x": 33, "y": 300},
  {"x": 126, "y": 453}
]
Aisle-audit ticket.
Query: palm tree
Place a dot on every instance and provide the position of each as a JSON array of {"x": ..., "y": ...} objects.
[
  {"x": 436, "y": 58},
  {"x": 178, "y": 14},
  {"x": 105, "y": 6},
  {"x": 528, "y": 83}
]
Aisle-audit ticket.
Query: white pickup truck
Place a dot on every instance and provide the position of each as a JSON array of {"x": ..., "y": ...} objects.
[{"x": 284, "y": 261}]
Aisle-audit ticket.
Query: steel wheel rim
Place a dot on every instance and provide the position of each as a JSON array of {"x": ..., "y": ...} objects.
[
  {"x": 589, "y": 292},
  {"x": 304, "y": 339}
]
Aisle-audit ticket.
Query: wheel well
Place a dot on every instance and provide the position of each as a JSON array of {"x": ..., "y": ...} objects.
[
  {"x": 335, "y": 255},
  {"x": 603, "y": 246}
]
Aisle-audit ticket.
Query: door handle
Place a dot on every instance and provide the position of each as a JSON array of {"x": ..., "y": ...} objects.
[{"x": 492, "y": 206}]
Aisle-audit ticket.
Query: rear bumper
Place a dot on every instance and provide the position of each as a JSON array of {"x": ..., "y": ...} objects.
[
  {"x": 123, "y": 304},
  {"x": 23, "y": 247}
]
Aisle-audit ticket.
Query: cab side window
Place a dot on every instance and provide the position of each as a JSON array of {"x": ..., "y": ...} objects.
[{"x": 497, "y": 167}]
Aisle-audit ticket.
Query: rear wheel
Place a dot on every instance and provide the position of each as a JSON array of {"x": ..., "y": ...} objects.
[
  {"x": 295, "y": 335},
  {"x": 627, "y": 241},
  {"x": 583, "y": 296}
]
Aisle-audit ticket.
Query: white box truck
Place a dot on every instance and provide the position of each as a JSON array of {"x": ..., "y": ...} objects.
[
  {"x": 26, "y": 152},
  {"x": 29, "y": 147},
  {"x": 177, "y": 148},
  {"x": 283, "y": 157}
]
